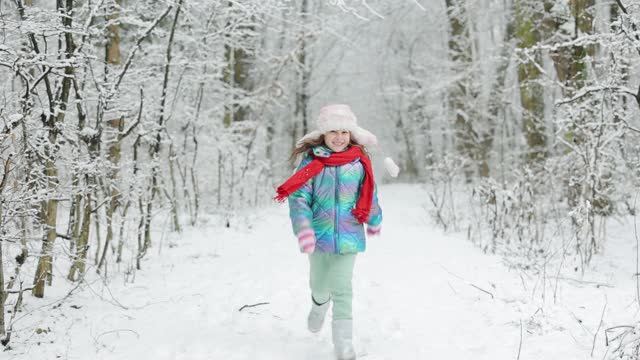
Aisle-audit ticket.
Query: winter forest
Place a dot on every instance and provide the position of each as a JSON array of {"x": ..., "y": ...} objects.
[{"x": 142, "y": 141}]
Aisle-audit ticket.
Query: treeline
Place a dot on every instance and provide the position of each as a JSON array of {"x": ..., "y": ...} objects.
[
  {"x": 117, "y": 115},
  {"x": 532, "y": 107}
]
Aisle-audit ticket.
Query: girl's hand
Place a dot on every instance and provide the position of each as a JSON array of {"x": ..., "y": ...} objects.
[
  {"x": 307, "y": 241},
  {"x": 374, "y": 230}
]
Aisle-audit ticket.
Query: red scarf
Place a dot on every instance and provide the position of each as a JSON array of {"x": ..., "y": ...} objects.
[{"x": 363, "y": 205}]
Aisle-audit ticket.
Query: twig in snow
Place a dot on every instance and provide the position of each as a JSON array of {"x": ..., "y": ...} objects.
[
  {"x": 452, "y": 289},
  {"x": 18, "y": 291},
  {"x": 620, "y": 336},
  {"x": 524, "y": 286},
  {"x": 620, "y": 327},
  {"x": 483, "y": 290},
  {"x": 420, "y": 5},
  {"x": 438, "y": 208},
  {"x": 95, "y": 338},
  {"x": 597, "y": 284},
  {"x": 520, "y": 345},
  {"x": 593, "y": 346},
  {"x": 579, "y": 322},
  {"x": 253, "y": 305},
  {"x": 114, "y": 301},
  {"x": 468, "y": 283},
  {"x": 364, "y": 2}
]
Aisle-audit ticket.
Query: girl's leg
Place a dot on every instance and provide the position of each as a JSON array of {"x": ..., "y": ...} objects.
[
  {"x": 319, "y": 280},
  {"x": 342, "y": 294},
  {"x": 320, "y": 291},
  {"x": 340, "y": 274}
]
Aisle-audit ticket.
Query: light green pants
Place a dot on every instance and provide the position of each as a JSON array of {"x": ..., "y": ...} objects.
[{"x": 330, "y": 279}]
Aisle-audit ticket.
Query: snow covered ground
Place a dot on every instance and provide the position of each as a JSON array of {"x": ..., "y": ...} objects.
[{"x": 419, "y": 294}]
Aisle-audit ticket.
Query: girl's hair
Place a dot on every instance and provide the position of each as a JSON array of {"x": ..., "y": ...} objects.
[{"x": 311, "y": 143}]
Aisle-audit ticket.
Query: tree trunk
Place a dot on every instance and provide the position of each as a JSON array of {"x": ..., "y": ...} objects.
[
  {"x": 96, "y": 224},
  {"x": 237, "y": 77},
  {"x": 112, "y": 58},
  {"x": 302, "y": 94},
  {"x": 78, "y": 267},
  {"x": 112, "y": 47},
  {"x": 74, "y": 214},
  {"x": 3, "y": 293},
  {"x": 174, "y": 189},
  {"x": 196, "y": 193},
  {"x": 569, "y": 61},
  {"x": 3, "y": 296},
  {"x": 193, "y": 177},
  {"x": 141, "y": 249},
  {"x": 497, "y": 102},
  {"x": 114, "y": 155},
  {"x": 463, "y": 92},
  {"x": 121, "y": 232},
  {"x": 136, "y": 166},
  {"x": 45, "y": 267},
  {"x": 530, "y": 32},
  {"x": 155, "y": 148},
  {"x": 411, "y": 168}
]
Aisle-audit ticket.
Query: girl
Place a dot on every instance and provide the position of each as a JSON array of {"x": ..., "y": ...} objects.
[{"x": 331, "y": 195}]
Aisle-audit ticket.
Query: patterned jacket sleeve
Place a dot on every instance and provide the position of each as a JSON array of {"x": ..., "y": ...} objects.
[
  {"x": 300, "y": 203},
  {"x": 375, "y": 216}
]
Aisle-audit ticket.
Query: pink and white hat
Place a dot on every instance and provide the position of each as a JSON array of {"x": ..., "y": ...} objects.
[{"x": 340, "y": 117}]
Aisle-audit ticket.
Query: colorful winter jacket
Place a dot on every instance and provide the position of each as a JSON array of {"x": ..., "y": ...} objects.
[{"x": 326, "y": 200}]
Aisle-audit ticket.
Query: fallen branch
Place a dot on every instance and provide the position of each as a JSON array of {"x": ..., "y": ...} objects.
[
  {"x": 253, "y": 305},
  {"x": 606, "y": 333},
  {"x": 116, "y": 331},
  {"x": 595, "y": 335},
  {"x": 18, "y": 291},
  {"x": 596, "y": 284},
  {"x": 481, "y": 289},
  {"x": 7, "y": 336},
  {"x": 468, "y": 283},
  {"x": 520, "y": 345}
]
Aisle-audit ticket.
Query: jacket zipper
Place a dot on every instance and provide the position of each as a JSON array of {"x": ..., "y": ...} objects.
[{"x": 335, "y": 230}]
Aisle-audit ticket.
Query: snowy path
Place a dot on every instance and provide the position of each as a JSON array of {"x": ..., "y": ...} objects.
[{"x": 418, "y": 295}]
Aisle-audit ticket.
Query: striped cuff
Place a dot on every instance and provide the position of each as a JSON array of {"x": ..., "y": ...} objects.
[
  {"x": 307, "y": 240},
  {"x": 374, "y": 229}
]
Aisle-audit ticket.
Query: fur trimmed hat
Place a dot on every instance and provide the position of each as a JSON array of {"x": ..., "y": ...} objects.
[{"x": 340, "y": 117}]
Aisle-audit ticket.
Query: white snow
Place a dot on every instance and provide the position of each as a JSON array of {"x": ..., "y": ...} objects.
[
  {"x": 13, "y": 118},
  {"x": 88, "y": 132},
  {"x": 418, "y": 294}
]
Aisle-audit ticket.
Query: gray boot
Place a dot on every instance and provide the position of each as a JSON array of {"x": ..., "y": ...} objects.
[
  {"x": 316, "y": 316},
  {"x": 342, "y": 339}
]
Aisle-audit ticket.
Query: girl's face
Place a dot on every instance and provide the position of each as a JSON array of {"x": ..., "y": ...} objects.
[{"x": 337, "y": 140}]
